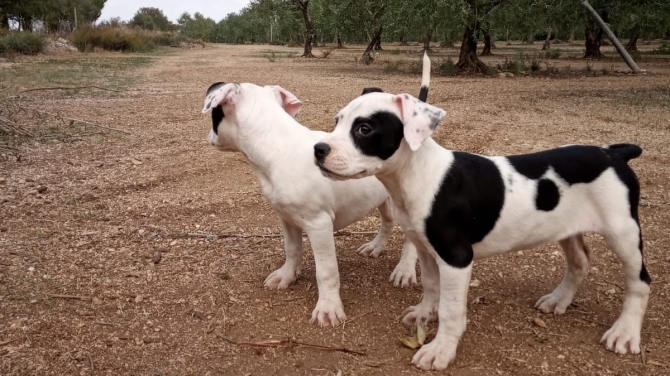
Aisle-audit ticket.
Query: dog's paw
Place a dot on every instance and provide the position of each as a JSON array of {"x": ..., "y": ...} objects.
[
  {"x": 328, "y": 312},
  {"x": 555, "y": 303},
  {"x": 372, "y": 249},
  {"x": 403, "y": 275},
  {"x": 436, "y": 355},
  {"x": 423, "y": 311},
  {"x": 622, "y": 338},
  {"x": 281, "y": 278}
]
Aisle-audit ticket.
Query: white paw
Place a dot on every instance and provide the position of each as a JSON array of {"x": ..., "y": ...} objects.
[
  {"x": 403, "y": 275},
  {"x": 553, "y": 303},
  {"x": 328, "y": 312},
  {"x": 372, "y": 249},
  {"x": 622, "y": 338},
  {"x": 425, "y": 312},
  {"x": 436, "y": 355},
  {"x": 281, "y": 278}
]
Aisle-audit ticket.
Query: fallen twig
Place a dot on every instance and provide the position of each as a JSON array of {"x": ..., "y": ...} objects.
[
  {"x": 72, "y": 119},
  {"x": 7, "y": 342},
  {"x": 357, "y": 316},
  {"x": 68, "y": 88},
  {"x": 182, "y": 235},
  {"x": 71, "y": 297},
  {"x": 289, "y": 341},
  {"x": 103, "y": 323},
  {"x": 90, "y": 363}
]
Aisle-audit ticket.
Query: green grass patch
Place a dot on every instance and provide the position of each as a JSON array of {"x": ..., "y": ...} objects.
[{"x": 22, "y": 42}]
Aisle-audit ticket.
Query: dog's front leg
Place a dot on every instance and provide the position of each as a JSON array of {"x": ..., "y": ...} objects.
[
  {"x": 283, "y": 277},
  {"x": 404, "y": 273},
  {"x": 452, "y": 319},
  {"x": 430, "y": 281},
  {"x": 329, "y": 308}
]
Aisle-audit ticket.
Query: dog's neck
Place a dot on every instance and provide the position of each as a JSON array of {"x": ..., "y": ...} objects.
[
  {"x": 406, "y": 168},
  {"x": 264, "y": 133}
]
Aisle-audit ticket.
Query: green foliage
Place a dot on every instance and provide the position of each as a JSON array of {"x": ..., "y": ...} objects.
[
  {"x": 515, "y": 66},
  {"x": 152, "y": 19},
  {"x": 52, "y": 15},
  {"x": 663, "y": 49},
  {"x": 326, "y": 53},
  {"x": 123, "y": 39},
  {"x": 553, "y": 53},
  {"x": 196, "y": 27},
  {"x": 21, "y": 42},
  {"x": 447, "y": 67}
]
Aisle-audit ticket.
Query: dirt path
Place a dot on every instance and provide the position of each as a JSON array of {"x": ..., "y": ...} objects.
[{"x": 109, "y": 205}]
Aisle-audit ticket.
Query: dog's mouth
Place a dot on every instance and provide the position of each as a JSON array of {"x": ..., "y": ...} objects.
[{"x": 335, "y": 176}]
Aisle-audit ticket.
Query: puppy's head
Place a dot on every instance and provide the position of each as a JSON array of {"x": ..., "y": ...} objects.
[
  {"x": 370, "y": 130},
  {"x": 236, "y": 105}
]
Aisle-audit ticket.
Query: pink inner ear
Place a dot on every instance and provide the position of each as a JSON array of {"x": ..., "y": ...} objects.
[{"x": 290, "y": 103}]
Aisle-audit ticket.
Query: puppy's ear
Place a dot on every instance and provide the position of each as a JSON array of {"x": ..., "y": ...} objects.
[
  {"x": 369, "y": 90},
  {"x": 226, "y": 95},
  {"x": 419, "y": 119},
  {"x": 289, "y": 102}
]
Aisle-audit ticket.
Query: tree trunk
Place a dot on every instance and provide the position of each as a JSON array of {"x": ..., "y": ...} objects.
[
  {"x": 467, "y": 58},
  {"x": 530, "y": 38},
  {"x": 309, "y": 27},
  {"x": 403, "y": 41},
  {"x": 4, "y": 21},
  {"x": 593, "y": 38},
  {"x": 571, "y": 38},
  {"x": 493, "y": 38},
  {"x": 372, "y": 44},
  {"x": 378, "y": 44},
  {"x": 602, "y": 23},
  {"x": 547, "y": 40},
  {"x": 339, "y": 42},
  {"x": 634, "y": 35},
  {"x": 667, "y": 35},
  {"x": 427, "y": 39},
  {"x": 487, "y": 44}
]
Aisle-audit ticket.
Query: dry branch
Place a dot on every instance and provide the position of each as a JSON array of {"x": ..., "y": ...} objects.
[
  {"x": 289, "y": 341},
  {"x": 73, "y": 119},
  {"x": 7, "y": 342},
  {"x": 68, "y": 88},
  {"x": 184, "y": 235},
  {"x": 70, "y": 297}
]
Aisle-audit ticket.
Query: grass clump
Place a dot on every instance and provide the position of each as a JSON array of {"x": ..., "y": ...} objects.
[
  {"x": 553, "y": 53},
  {"x": 22, "y": 42},
  {"x": 447, "y": 67},
  {"x": 123, "y": 39}
]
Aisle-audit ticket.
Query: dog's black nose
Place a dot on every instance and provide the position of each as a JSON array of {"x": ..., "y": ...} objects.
[{"x": 321, "y": 150}]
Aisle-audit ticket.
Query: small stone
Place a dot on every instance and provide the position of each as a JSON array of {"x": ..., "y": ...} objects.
[
  {"x": 139, "y": 299},
  {"x": 3, "y": 181},
  {"x": 610, "y": 291},
  {"x": 158, "y": 256},
  {"x": 97, "y": 301},
  {"x": 475, "y": 283},
  {"x": 136, "y": 162},
  {"x": 4, "y": 229},
  {"x": 544, "y": 365},
  {"x": 509, "y": 74},
  {"x": 173, "y": 243},
  {"x": 502, "y": 75},
  {"x": 41, "y": 189},
  {"x": 33, "y": 192},
  {"x": 561, "y": 357}
]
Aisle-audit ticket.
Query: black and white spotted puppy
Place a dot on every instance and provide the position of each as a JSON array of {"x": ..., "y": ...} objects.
[{"x": 457, "y": 207}]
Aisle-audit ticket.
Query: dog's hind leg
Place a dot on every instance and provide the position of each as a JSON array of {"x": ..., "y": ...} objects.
[
  {"x": 283, "y": 277},
  {"x": 378, "y": 244},
  {"x": 626, "y": 242},
  {"x": 404, "y": 273},
  {"x": 577, "y": 257}
]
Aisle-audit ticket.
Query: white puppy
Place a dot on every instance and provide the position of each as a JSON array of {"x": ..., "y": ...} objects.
[
  {"x": 457, "y": 207},
  {"x": 259, "y": 123}
]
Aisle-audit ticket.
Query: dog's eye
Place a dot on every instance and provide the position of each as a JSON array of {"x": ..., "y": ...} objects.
[{"x": 364, "y": 129}]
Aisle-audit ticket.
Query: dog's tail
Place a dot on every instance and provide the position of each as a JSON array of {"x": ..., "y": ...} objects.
[
  {"x": 625, "y": 151},
  {"x": 425, "y": 78}
]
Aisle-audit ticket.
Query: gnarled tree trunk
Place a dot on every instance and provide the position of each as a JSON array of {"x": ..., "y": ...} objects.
[
  {"x": 303, "y": 5},
  {"x": 427, "y": 39},
  {"x": 571, "y": 38},
  {"x": 593, "y": 38},
  {"x": 339, "y": 42},
  {"x": 530, "y": 38},
  {"x": 467, "y": 58},
  {"x": 403, "y": 41},
  {"x": 373, "y": 42},
  {"x": 547, "y": 40},
  {"x": 378, "y": 44},
  {"x": 487, "y": 43},
  {"x": 632, "y": 42}
]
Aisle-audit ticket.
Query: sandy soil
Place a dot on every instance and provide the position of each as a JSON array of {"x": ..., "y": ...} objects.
[{"x": 112, "y": 203}]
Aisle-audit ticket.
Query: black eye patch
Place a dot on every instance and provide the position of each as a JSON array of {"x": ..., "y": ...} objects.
[{"x": 385, "y": 137}]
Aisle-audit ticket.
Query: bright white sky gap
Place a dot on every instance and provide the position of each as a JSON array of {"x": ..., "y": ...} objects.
[{"x": 215, "y": 10}]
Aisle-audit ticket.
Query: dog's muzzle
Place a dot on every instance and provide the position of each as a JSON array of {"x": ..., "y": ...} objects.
[{"x": 321, "y": 151}]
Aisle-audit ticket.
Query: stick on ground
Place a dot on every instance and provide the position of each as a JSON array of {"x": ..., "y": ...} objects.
[{"x": 289, "y": 341}]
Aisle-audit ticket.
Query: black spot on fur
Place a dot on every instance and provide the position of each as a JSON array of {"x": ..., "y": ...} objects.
[
  {"x": 466, "y": 208},
  {"x": 547, "y": 196},
  {"x": 217, "y": 112},
  {"x": 385, "y": 137},
  {"x": 369, "y": 90}
]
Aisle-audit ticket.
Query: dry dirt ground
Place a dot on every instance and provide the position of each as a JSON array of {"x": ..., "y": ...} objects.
[{"x": 115, "y": 201}]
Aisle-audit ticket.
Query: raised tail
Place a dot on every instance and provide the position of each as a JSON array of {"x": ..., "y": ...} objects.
[
  {"x": 625, "y": 151},
  {"x": 425, "y": 78}
]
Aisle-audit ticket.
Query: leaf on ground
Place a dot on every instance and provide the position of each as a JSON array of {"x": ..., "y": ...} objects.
[
  {"x": 421, "y": 332},
  {"x": 410, "y": 342},
  {"x": 539, "y": 322}
]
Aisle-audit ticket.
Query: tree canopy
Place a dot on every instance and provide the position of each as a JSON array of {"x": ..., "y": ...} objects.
[{"x": 49, "y": 14}]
